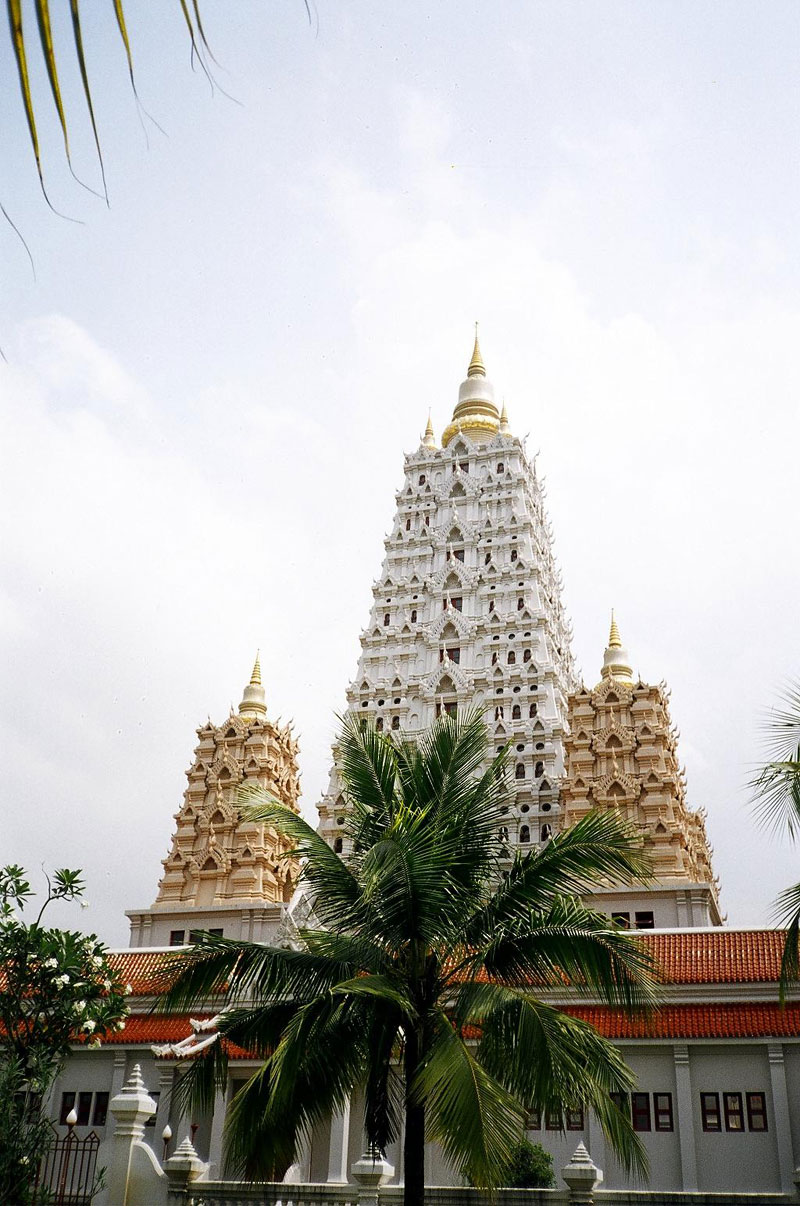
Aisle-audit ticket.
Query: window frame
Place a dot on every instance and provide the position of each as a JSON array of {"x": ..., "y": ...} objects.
[
  {"x": 710, "y": 1112},
  {"x": 641, "y": 1115},
  {"x": 663, "y": 1115},
  {"x": 753, "y": 1113},
  {"x": 733, "y": 1111}
]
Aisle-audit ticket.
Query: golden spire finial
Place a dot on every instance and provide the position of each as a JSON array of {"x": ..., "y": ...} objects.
[
  {"x": 476, "y": 365},
  {"x": 615, "y": 658},
  {"x": 504, "y": 428},
  {"x": 429, "y": 439},
  {"x": 614, "y": 639},
  {"x": 253, "y": 700}
]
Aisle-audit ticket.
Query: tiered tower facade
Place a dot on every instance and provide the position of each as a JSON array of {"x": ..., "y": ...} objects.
[
  {"x": 621, "y": 752},
  {"x": 467, "y": 610},
  {"x": 224, "y": 873}
]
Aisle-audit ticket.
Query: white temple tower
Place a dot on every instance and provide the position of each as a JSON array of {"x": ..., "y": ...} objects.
[{"x": 467, "y": 609}]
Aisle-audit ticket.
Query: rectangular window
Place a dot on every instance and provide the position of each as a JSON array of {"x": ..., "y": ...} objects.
[
  {"x": 464, "y": 466},
  {"x": 151, "y": 1121},
  {"x": 552, "y": 1120},
  {"x": 734, "y": 1114},
  {"x": 640, "y": 1111},
  {"x": 644, "y": 921},
  {"x": 176, "y": 937},
  {"x": 533, "y": 1122},
  {"x": 100, "y": 1111},
  {"x": 662, "y": 1109},
  {"x": 756, "y": 1111},
  {"x": 621, "y": 1102},
  {"x": 575, "y": 1120},
  {"x": 214, "y": 934},
  {"x": 451, "y": 708},
  {"x": 84, "y": 1108},
  {"x": 457, "y": 603},
  {"x": 455, "y": 655},
  {"x": 623, "y": 920},
  {"x": 67, "y": 1104},
  {"x": 709, "y": 1112},
  {"x": 459, "y": 554}
]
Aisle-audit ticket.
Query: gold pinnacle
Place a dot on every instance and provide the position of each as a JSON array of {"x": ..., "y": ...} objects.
[
  {"x": 614, "y": 639},
  {"x": 476, "y": 365},
  {"x": 255, "y": 677}
]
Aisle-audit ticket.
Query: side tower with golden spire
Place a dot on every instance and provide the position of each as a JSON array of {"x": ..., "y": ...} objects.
[
  {"x": 467, "y": 609},
  {"x": 621, "y": 753},
  {"x": 224, "y": 873}
]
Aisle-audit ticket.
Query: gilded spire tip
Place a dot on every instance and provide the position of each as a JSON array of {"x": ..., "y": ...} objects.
[
  {"x": 429, "y": 440},
  {"x": 255, "y": 677},
  {"x": 476, "y": 365},
  {"x": 614, "y": 639}
]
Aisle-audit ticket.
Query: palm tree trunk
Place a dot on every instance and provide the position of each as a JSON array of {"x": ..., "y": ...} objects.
[{"x": 414, "y": 1145}]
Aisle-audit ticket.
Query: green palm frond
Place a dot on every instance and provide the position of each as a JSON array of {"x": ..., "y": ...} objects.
[
  {"x": 600, "y": 848},
  {"x": 787, "y": 908},
  {"x": 469, "y": 1113},
  {"x": 776, "y": 785},
  {"x": 25, "y": 15},
  {"x": 228, "y": 971},
  {"x": 575, "y": 946},
  {"x": 333, "y": 886},
  {"x": 552, "y": 1061}
]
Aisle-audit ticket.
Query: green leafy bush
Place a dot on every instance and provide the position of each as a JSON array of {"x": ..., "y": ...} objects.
[{"x": 532, "y": 1167}]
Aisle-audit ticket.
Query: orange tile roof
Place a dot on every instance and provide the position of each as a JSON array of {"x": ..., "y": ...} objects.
[
  {"x": 717, "y": 956},
  {"x": 713, "y": 956},
  {"x": 146, "y": 1028},
  {"x": 141, "y": 968},
  {"x": 747, "y": 1020},
  {"x": 740, "y": 1020}
]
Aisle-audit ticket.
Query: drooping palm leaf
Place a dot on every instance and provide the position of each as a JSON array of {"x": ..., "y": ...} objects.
[{"x": 469, "y": 1113}]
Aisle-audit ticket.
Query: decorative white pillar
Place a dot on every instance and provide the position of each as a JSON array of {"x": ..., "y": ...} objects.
[
  {"x": 780, "y": 1110},
  {"x": 339, "y": 1144},
  {"x": 684, "y": 1118},
  {"x": 130, "y": 1109},
  {"x": 182, "y": 1168},
  {"x": 369, "y": 1173},
  {"x": 581, "y": 1176},
  {"x": 217, "y": 1125}
]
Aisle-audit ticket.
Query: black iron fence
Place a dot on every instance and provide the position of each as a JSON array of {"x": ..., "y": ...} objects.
[{"x": 67, "y": 1174}]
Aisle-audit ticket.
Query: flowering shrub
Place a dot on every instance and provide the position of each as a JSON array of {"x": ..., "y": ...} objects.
[{"x": 57, "y": 988}]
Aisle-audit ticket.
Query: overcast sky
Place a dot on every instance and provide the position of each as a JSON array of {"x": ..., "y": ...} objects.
[{"x": 210, "y": 385}]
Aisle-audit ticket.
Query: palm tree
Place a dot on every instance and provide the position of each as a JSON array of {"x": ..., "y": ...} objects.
[
  {"x": 423, "y": 982},
  {"x": 776, "y": 787}
]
